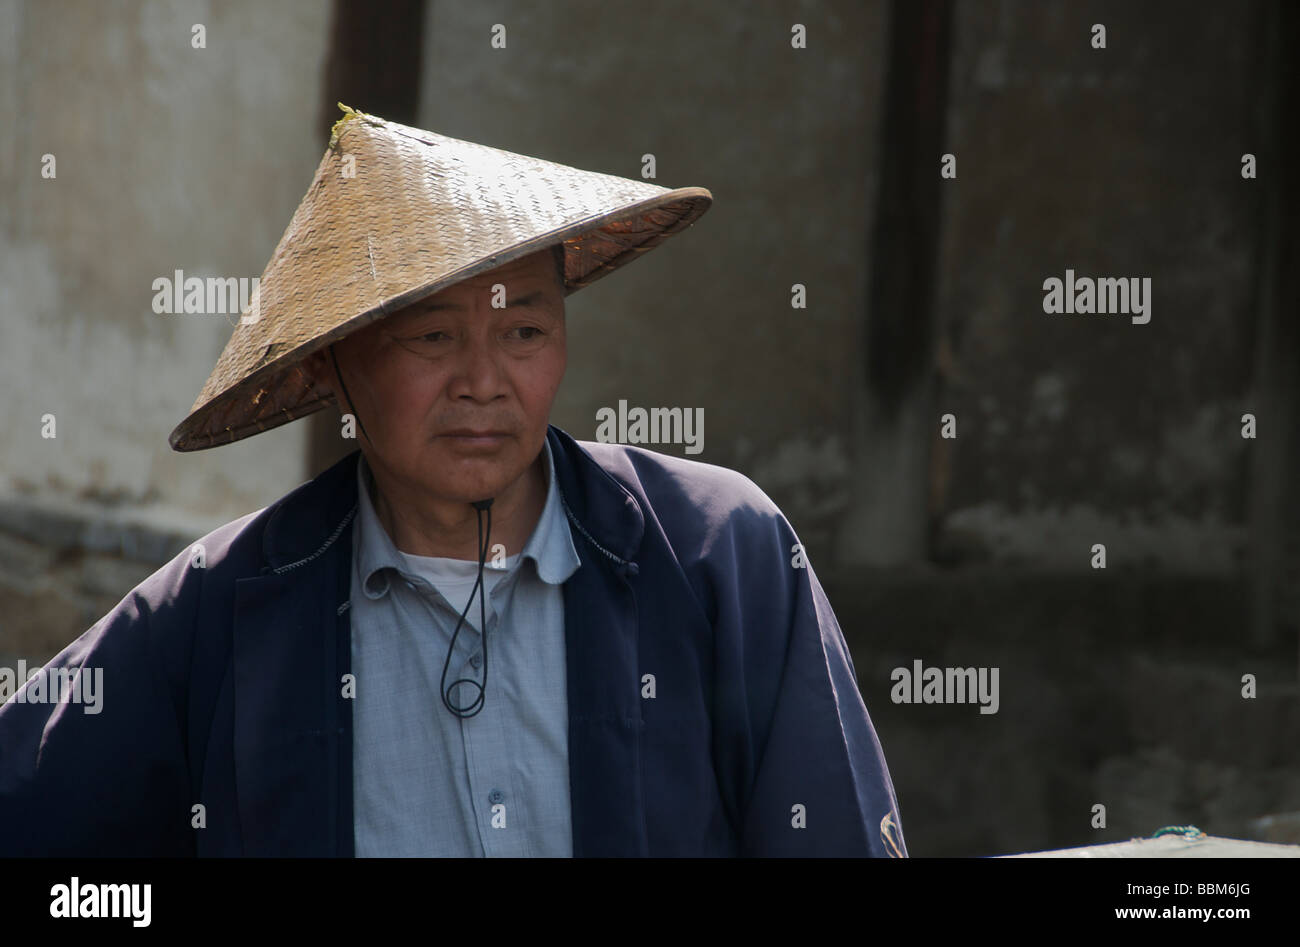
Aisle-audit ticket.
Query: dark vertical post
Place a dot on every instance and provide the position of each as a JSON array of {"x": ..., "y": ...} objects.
[
  {"x": 373, "y": 65},
  {"x": 900, "y": 328},
  {"x": 895, "y": 416}
]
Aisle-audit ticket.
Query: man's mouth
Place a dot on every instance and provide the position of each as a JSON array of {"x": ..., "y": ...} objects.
[{"x": 469, "y": 437}]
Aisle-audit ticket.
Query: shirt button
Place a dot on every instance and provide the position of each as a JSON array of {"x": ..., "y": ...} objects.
[
  {"x": 496, "y": 796},
  {"x": 476, "y": 660}
]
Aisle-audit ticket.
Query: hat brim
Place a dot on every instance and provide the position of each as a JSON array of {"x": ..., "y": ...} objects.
[{"x": 280, "y": 390}]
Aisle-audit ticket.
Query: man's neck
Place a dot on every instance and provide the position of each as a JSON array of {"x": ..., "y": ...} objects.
[{"x": 421, "y": 527}]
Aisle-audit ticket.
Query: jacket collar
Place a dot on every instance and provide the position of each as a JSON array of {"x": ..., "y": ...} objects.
[
  {"x": 310, "y": 518},
  {"x": 602, "y": 510}
]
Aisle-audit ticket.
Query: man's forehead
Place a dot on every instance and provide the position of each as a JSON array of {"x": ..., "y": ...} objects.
[
  {"x": 526, "y": 280},
  {"x": 511, "y": 275}
]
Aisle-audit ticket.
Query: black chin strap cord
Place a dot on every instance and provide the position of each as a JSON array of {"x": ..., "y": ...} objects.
[
  {"x": 474, "y": 706},
  {"x": 347, "y": 397}
]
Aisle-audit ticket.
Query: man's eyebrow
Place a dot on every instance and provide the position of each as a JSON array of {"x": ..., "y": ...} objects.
[{"x": 525, "y": 300}]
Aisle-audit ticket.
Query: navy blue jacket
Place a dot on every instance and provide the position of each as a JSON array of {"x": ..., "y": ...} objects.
[{"x": 223, "y": 687}]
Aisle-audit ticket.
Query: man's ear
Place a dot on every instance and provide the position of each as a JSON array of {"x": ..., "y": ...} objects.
[{"x": 317, "y": 369}]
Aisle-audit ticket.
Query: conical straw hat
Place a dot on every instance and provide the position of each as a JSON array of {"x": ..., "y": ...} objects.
[{"x": 419, "y": 212}]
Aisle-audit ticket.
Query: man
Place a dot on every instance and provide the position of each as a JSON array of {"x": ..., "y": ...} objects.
[{"x": 476, "y": 636}]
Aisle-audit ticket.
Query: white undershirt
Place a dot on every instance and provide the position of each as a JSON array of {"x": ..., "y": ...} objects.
[{"x": 455, "y": 579}]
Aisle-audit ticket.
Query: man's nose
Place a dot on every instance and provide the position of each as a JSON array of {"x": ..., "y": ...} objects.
[{"x": 478, "y": 376}]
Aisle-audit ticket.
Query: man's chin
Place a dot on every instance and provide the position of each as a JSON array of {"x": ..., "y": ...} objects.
[
  {"x": 470, "y": 481},
  {"x": 468, "y": 473}
]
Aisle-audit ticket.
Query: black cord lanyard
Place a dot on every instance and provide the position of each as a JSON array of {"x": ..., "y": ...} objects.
[
  {"x": 474, "y": 706},
  {"x": 347, "y": 397}
]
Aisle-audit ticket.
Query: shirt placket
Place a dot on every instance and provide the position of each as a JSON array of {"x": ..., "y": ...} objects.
[{"x": 485, "y": 740}]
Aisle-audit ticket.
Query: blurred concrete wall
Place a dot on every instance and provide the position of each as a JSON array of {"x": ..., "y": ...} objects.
[
  {"x": 1071, "y": 429},
  {"x": 785, "y": 139},
  {"x": 1122, "y": 686},
  {"x": 167, "y": 157},
  {"x": 1119, "y": 162}
]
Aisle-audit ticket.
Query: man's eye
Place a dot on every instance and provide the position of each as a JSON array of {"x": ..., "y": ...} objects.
[
  {"x": 527, "y": 333},
  {"x": 432, "y": 336}
]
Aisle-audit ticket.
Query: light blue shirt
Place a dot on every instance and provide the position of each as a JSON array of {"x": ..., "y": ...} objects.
[{"x": 425, "y": 781}]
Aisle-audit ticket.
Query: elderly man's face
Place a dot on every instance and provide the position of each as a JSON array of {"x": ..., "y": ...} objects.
[{"x": 454, "y": 393}]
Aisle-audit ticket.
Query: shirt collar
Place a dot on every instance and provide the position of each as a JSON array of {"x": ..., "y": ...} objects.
[{"x": 550, "y": 547}]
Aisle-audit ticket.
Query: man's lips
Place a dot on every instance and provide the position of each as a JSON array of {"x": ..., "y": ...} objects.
[
  {"x": 473, "y": 434},
  {"x": 471, "y": 439}
]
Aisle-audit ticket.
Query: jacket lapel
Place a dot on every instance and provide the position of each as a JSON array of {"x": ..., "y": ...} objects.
[
  {"x": 292, "y": 724},
  {"x": 600, "y": 627}
]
